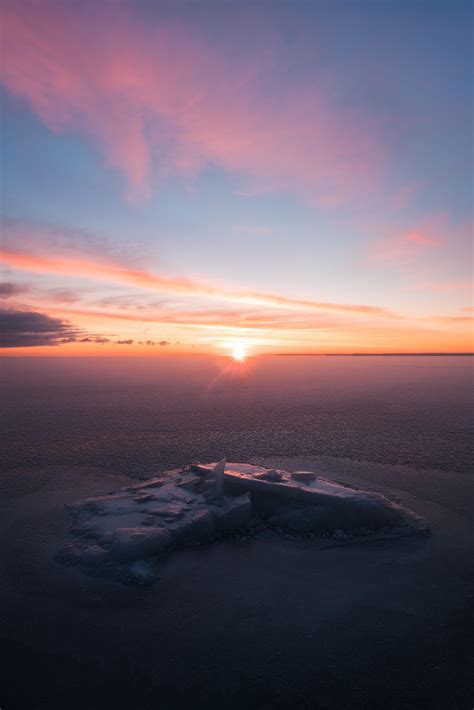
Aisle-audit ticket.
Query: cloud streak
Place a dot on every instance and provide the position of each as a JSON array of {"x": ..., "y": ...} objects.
[
  {"x": 445, "y": 286},
  {"x": 119, "y": 274},
  {"x": 10, "y": 290}
]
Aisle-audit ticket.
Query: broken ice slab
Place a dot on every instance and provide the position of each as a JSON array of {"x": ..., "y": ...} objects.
[
  {"x": 309, "y": 503},
  {"x": 306, "y": 486},
  {"x": 197, "y": 505}
]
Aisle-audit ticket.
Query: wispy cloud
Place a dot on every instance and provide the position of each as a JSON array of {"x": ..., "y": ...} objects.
[
  {"x": 11, "y": 290},
  {"x": 452, "y": 320},
  {"x": 159, "y": 99},
  {"x": 86, "y": 267},
  {"x": 161, "y": 343},
  {"x": 218, "y": 320},
  {"x": 95, "y": 339},
  {"x": 444, "y": 286},
  {"x": 61, "y": 295},
  {"x": 402, "y": 246}
]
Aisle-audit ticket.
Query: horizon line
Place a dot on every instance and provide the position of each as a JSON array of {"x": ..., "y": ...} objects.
[
  {"x": 255, "y": 355},
  {"x": 421, "y": 354}
]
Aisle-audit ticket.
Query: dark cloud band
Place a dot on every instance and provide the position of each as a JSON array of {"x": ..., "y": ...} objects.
[{"x": 26, "y": 329}]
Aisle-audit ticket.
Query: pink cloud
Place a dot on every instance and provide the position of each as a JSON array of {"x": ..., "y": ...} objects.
[
  {"x": 159, "y": 100},
  {"x": 113, "y": 272},
  {"x": 406, "y": 245},
  {"x": 418, "y": 236},
  {"x": 445, "y": 286}
]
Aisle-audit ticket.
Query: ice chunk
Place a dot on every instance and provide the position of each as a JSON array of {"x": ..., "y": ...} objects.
[
  {"x": 219, "y": 469},
  {"x": 194, "y": 528},
  {"x": 111, "y": 533},
  {"x": 232, "y": 513},
  {"x": 139, "y": 543},
  {"x": 304, "y": 476}
]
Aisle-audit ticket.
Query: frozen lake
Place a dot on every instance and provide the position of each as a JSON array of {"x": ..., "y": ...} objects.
[
  {"x": 382, "y": 624},
  {"x": 138, "y": 416}
]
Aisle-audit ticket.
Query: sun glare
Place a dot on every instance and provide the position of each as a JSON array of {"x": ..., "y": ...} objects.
[{"x": 239, "y": 353}]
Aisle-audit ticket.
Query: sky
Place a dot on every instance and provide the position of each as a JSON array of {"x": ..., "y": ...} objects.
[{"x": 214, "y": 177}]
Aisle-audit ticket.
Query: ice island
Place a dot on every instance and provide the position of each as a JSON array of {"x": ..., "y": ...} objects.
[{"x": 121, "y": 534}]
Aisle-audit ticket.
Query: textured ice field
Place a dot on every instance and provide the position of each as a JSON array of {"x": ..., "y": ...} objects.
[{"x": 142, "y": 416}]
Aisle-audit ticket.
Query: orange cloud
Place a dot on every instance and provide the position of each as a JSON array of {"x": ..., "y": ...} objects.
[
  {"x": 106, "y": 329},
  {"x": 274, "y": 322},
  {"x": 453, "y": 320},
  {"x": 219, "y": 320},
  {"x": 422, "y": 336},
  {"x": 158, "y": 100}
]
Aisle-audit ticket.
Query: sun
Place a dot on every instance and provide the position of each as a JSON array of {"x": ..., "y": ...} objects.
[{"x": 239, "y": 353}]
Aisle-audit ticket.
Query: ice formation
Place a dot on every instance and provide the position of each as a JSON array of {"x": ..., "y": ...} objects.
[{"x": 120, "y": 534}]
